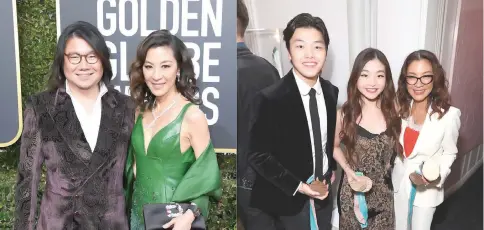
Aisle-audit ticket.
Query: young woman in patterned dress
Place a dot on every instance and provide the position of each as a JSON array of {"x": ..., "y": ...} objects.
[{"x": 368, "y": 126}]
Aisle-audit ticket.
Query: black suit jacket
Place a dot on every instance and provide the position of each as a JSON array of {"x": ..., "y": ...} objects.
[
  {"x": 253, "y": 74},
  {"x": 280, "y": 146}
]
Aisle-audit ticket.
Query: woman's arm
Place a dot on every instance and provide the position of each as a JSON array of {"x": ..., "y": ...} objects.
[
  {"x": 338, "y": 152},
  {"x": 202, "y": 180},
  {"x": 204, "y": 173},
  {"x": 198, "y": 132}
]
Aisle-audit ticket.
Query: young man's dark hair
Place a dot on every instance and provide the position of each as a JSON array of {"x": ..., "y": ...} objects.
[
  {"x": 242, "y": 18},
  {"x": 305, "y": 20}
]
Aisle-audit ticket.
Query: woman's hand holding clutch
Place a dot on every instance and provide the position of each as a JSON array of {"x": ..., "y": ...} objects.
[
  {"x": 418, "y": 179},
  {"x": 429, "y": 174},
  {"x": 183, "y": 222}
]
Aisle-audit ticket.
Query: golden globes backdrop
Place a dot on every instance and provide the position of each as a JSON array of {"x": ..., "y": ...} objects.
[
  {"x": 205, "y": 27},
  {"x": 11, "y": 115}
]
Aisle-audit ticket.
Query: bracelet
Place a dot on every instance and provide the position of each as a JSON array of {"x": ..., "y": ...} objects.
[{"x": 195, "y": 209}]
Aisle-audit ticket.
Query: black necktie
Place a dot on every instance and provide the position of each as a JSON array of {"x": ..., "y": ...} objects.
[{"x": 318, "y": 146}]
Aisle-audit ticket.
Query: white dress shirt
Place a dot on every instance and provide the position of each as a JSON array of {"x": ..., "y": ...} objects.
[
  {"x": 89, "y": 122},
  {"x": 304, "y": 89}
]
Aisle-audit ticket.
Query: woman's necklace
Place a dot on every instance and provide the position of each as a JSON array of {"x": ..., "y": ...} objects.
[
  {"x": 412, "y": 120},
  {"x": 156, "y": 116}
]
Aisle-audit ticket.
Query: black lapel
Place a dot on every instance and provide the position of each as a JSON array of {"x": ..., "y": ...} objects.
[
  {"x": 110, "y": 129},
  {"x": 62, "y": 112},
  {"x": 298, "y": 119},
  {"x": 330, "y": 102}
]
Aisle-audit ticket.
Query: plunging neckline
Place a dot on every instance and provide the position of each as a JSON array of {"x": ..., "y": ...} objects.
[{"x": 146, "y": 148}]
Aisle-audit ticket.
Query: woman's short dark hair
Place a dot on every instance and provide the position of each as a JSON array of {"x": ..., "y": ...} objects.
[
  {"x": 305, "y": 20},
  {"x": 186, "y": 85},
  {"x": 94, "y": 38}
]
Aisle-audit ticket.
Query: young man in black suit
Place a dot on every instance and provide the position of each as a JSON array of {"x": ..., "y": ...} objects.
[
  {"x": 253, "y": 74},
  {"x": 291, "y": 136}
]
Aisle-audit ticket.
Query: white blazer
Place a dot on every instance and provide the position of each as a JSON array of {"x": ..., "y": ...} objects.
[{"x": 437, "y": 140}]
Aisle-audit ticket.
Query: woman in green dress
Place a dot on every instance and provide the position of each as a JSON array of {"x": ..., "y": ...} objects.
[{"x": 171, "y": 158}]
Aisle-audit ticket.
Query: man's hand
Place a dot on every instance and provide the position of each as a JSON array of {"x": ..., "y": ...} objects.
[
  {"x": 320, "y": 187},
  {"x": 308, "y": 191}
]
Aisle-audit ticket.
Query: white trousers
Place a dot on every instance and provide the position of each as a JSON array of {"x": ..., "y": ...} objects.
[{"x": 421, "y": 216}]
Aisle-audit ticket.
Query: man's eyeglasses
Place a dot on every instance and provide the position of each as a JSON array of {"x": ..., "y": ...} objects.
[
  {"x": 426, "y": 79},
  {"x": 76, "y": 58}
]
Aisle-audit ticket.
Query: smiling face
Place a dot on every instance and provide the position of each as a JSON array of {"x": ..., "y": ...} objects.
[
  {"x": 420, "y": 79},
  {"x": 372, "y": 79},
  {"x": 88, "y": 71},
  {"x": 160, "y": 70},
  {"x": 307, "y": 52}
]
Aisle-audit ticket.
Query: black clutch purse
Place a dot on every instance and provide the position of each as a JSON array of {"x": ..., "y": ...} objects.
[{"x": 156, "y": 215}]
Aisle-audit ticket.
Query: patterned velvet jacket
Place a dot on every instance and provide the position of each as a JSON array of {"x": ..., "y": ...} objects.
[{"x": 83, "y": 189}]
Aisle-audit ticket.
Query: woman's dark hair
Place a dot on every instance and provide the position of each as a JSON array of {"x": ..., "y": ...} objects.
[
  {"x": 93, "y": 37},
  {"x": 186, "y": 85},
  {"x": 351, "y": 109},
  {"x": 305, "y": 20},
  {"x": 439, "y": 97}
]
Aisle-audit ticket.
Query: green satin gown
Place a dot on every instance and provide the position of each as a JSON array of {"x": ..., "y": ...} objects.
[{"x": 165, "y": 174}]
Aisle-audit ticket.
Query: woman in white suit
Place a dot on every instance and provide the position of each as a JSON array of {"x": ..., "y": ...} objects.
[{"x": 430, "y": 128}]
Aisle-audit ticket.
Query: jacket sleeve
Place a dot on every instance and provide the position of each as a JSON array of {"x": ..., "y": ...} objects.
[
  {"x": 29, "y": 170},
  {"x": 260, "y": 153},
  {"x": 130, "y": 164},
  {"x": 449, "y": 143},
  {"x": 128, "y": 180}
]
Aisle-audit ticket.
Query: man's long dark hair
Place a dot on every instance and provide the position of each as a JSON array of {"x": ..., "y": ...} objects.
[{"x": 93, "y": 37}]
